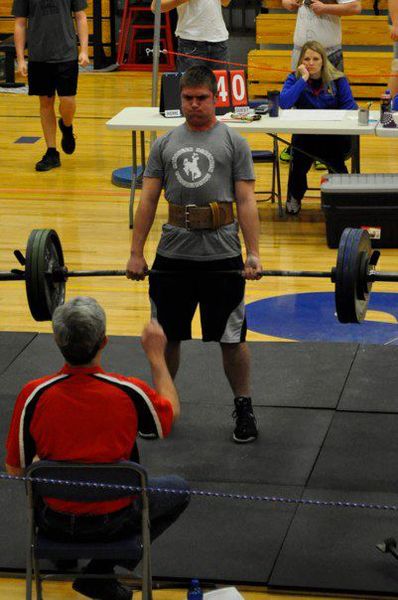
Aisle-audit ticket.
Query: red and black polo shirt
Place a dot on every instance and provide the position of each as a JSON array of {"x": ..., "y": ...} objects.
[{"x": 85, "y": 415}]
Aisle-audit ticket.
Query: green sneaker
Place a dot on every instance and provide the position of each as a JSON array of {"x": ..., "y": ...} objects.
[
  {"x": 285, "y": 156},
  {"x": 320, "y": 166}
]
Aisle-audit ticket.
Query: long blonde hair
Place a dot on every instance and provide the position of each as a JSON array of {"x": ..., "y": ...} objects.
[{"x": 329, "y": 73}]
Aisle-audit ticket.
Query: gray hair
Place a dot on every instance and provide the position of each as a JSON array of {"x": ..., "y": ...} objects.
[{"x": 79, "y": 329}]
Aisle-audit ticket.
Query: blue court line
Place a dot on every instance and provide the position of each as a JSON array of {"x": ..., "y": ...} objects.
[{"x": 311, "y": 317}]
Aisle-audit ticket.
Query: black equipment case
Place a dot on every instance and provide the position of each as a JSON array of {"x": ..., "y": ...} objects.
[{"x": 369, "y": 201}]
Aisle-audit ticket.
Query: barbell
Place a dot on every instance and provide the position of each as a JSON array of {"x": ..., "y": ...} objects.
[{"x": 46, "y": 274}]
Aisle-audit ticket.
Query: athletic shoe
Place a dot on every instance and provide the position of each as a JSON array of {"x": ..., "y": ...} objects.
[
  {"x": 68, "y": 142},
  {"x": 286, "y": 154},
  {"x": 49, "y": 161},
  {"x": 293, "y": 206},
  {"x": 102, "y": 589},
  {"x": 320, "y": 166},
  {"x": 245, "y": 421}
]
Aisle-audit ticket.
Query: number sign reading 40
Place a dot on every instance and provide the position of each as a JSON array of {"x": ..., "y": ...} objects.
[{"x": 232, "y": 90}]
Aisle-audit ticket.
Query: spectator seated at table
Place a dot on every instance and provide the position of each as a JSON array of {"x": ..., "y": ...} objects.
[{"x": 316, "y": 84}]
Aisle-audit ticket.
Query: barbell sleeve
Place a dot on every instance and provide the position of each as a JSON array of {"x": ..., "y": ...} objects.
[
  {"x": 10, "y": 276},
  {"x": 382, "y": 276}
]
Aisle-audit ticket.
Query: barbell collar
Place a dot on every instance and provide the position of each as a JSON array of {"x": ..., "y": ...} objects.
[{"x": 20, "y": 257}]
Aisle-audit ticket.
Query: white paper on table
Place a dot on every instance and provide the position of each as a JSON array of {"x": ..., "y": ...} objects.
[
  {"x": 230, "y": 593},
  {"x": 312, "y": 115}
]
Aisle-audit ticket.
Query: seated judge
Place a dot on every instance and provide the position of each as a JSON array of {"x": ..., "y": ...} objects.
[
  {"x": 85, "y": 414},
  {"x": 316, "y": 84}
]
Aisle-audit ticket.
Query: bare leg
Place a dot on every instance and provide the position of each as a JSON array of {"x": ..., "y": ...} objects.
[
  {"x": 393, "y": 80},
  {"x": 236, "y": 360},
  {"x": 172, "y": 356},
  {"x": 67, "y": 109},
  {"x": 48, "y": 120}
]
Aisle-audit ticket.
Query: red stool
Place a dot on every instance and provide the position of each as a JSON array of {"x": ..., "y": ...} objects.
[{"x": 136, "y": 28}]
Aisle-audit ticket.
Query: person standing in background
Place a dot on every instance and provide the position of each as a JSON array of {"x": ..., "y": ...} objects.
[
  {"x": 393, "y": 80},
  {"x": 47, "y": 27},
  {"x": 320, "y": 21},
  {"x": 201, "y": 31}
]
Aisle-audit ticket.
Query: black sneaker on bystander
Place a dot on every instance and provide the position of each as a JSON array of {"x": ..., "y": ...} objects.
[
  {"x": 68, "y": 142},
  {"x": 49, "y": 161}
]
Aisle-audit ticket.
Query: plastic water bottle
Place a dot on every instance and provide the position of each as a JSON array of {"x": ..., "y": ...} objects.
[
  {"x": 385, "y": 103},
  {"x": 195, "y": 591}
]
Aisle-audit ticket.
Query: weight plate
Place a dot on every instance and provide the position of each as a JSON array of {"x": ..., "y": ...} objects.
[
  {"x": 352, "y": 291},
  {"x": 43, "y": 255}
]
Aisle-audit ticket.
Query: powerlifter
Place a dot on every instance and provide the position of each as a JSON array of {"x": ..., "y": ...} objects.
[{"x": 204, "y": 166}]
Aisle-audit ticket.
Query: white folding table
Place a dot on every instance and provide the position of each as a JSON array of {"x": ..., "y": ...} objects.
[{"x": 342, "y": 122}]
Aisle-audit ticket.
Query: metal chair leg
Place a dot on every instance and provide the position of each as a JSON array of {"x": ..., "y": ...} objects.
[
  {"x": 29, "y": 574},
  {"x": 279, "y": 186},
  {"x": 39, "y": 590}
]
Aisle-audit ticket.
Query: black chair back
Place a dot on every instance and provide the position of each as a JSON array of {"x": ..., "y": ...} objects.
[{"x": 84, "y": 482}]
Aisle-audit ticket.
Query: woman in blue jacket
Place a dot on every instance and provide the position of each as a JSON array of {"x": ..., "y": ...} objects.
[{"x": 315, "y": 84}]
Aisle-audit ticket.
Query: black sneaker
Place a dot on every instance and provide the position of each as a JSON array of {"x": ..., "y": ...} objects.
[
  {"x": 68, "y": 142},
  {"x": 246, "y": 425},
  {"x": 102, "y": 589},
  {"x": 49, "y": 161}
]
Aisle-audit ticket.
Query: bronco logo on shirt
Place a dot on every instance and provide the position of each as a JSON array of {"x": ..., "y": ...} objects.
[{"x": 193, "y": 166}]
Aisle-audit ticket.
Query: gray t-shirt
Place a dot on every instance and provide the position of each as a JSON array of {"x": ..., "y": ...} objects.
[
  {"x": 199, "y": 167},
  {"x": 51, "y": 33}
]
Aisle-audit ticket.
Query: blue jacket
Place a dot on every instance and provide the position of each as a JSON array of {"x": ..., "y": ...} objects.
[
  {"x": 299, "y": 94},
  {"x": 395, "y": 103}
]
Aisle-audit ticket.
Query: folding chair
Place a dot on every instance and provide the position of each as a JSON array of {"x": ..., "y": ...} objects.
[
  {"x": 353, "y": 154},
  {"x": 133, "y": 547}
]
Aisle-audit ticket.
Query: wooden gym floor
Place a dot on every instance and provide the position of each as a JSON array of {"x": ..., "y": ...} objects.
[
  {"x": 91, "y": 217},
  {"x": 90, "y": 214}
]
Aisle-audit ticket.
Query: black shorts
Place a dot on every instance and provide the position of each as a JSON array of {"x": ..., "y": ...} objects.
[
  {"x": 47, "y": 78},
  {"x": 174, "y": 299}
]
